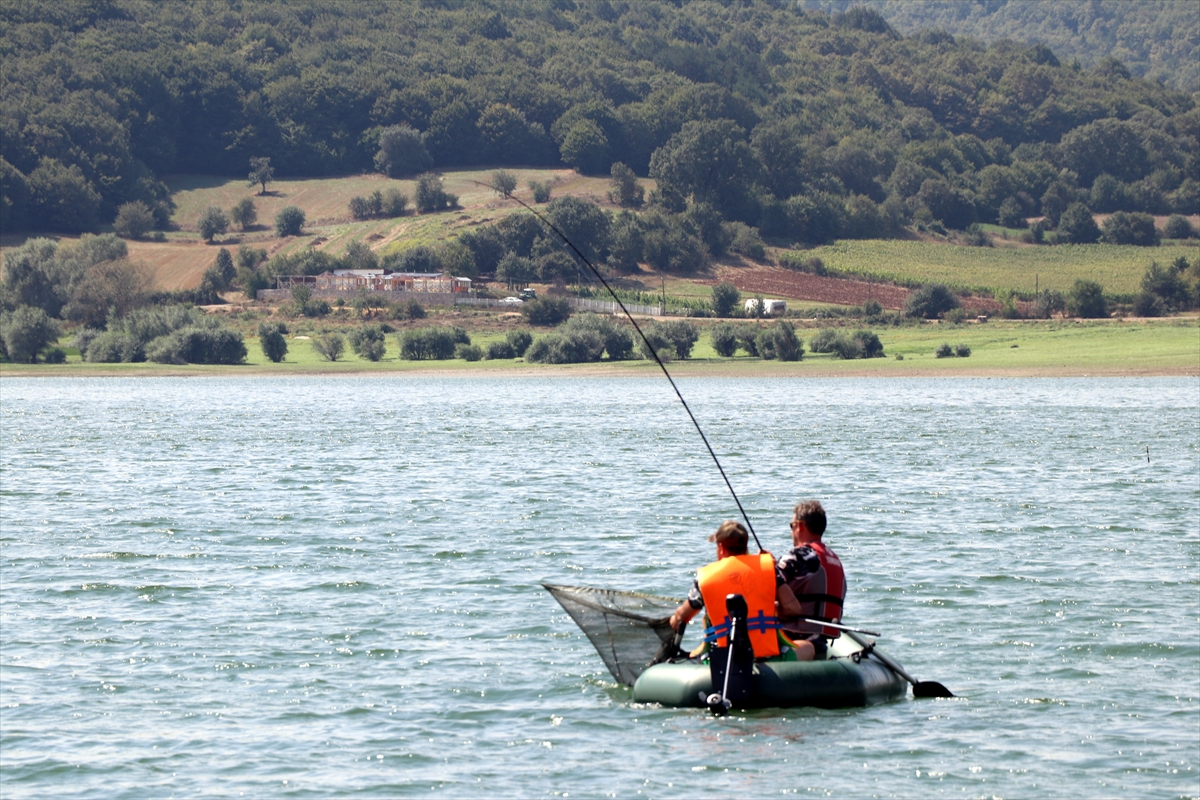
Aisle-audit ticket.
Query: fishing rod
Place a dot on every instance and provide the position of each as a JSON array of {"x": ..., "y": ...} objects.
[{"x": 649, "y": 347}]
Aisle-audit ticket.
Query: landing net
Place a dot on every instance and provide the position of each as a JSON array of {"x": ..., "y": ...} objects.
[{"x": 629, "y": 630}]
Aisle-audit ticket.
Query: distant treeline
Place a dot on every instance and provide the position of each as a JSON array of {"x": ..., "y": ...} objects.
[
  {"x": 1154, "y": 39},
  {"x": 804, "y": 125}
]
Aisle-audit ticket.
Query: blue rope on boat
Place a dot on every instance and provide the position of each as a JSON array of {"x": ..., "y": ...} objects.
[{"x": 760, "y": 623}]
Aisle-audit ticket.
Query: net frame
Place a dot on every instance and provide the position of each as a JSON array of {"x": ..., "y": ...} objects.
[{"x": 631, "y": 631}]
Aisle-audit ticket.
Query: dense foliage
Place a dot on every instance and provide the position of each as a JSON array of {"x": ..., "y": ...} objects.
[{"x": 805, "y": 126}]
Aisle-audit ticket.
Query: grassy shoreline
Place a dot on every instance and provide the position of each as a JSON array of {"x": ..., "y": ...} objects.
[{"x": 1114, "y": 348}]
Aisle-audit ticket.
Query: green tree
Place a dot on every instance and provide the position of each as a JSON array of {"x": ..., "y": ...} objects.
[
  {"x": 930, "y": 301},
  {"x": 368, "y": 342},
  {"x": 503, "y": 182},
  {"x": 26, "y": 332},
  {"x": 586, "y": 148},
  {"x": 261, "y": 172},
  {"x": 583, "y": 223},
  {"x": 1179, "y": 227},
  {"x": 431, "y": 196},
  {"x": 540, "y": 191},
  {"x": 1077, "y": 226},
  {"x": 329, "y": 346},
  {"x": 546, "y": 311},
  {"x": 271, "y": 339},
  {"x": 712, "y": 162},
  {"x": 244, "y": 214},
  {"x": 289, "y": 222},
  {"x": 107, "y": 289},
  {"x": 61, "y": 198},
  {"x": 1131, "y": 228},
  {"x": 725, "y": 298},
  {"x": 133, "y": 220},
  {"x": 1086, "y": 300},
  {"x": 402, "y": 152},
  {"x": 625, "y": 190},
  {"x": 724, "y": 339},
  {"x": 212, "y": 222}
]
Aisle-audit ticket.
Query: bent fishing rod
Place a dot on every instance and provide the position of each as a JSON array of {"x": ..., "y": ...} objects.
[{"x": 653, "y": 352}]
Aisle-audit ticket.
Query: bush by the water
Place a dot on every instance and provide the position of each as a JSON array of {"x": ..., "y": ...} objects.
[
  {"x": 724, "y": 339},
  {"x": 546, "y": 310},
  {"x": 435, "y": 343},
  {"x": 368, "y": 342},
  {"x": 27, "y": 331},
  {"x": 1086, "y": 300},
  {"x": 857, "y": 344},
  {"x": 500, "y": 349},
  {"x": 670, "y": 340},
  {"x": 520, "y": 341},
  {"x": 144, "y": 333},
  {"x": 329, "y": 346},
  {"x": 271, "y": 339},
  {"x": 583, "y": 338},
  {"x": 468, "y": 352},
  {"x": 930, "y": 301},
  {"x": 780, "y": 342},
  {"x": 944, "y": 350}
]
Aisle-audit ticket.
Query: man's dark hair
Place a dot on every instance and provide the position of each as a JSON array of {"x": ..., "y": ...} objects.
[{"x": 812, "y": 514}]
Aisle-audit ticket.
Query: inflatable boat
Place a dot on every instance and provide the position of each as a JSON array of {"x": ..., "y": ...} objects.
[{"x": 850, "y": 676}]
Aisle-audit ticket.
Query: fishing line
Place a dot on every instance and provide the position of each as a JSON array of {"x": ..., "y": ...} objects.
[{"x": 649, "y": 347}]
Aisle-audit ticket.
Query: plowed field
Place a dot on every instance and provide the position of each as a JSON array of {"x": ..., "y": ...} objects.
[{"x": 788, "y": 285}]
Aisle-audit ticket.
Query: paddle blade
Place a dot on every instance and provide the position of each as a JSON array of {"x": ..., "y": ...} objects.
[{"x": 930, "y": 689}]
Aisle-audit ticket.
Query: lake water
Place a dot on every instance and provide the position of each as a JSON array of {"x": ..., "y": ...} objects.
[{"x": 320, "y": 587}]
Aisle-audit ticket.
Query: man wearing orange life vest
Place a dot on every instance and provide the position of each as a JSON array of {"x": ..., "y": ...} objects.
[
  {"x": 736, "y": 572},
  {"x": 814, "y": 574}
]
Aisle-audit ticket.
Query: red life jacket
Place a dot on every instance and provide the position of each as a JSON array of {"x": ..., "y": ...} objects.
[
  {"x": 821, "y": 594},
  {"x": 753, "y": 577}
]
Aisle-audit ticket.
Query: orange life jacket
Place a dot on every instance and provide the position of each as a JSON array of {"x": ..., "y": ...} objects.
[
  {"x": 753, "y": 577},
  {"x": 821, "y": 594}
]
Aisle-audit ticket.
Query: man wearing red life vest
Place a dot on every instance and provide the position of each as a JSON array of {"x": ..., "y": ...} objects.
[
  {"x": 814, "y": 574},
  {"x": 735, "y": 572}
]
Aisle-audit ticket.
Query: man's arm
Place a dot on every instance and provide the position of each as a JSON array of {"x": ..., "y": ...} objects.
[
  {"x": 786, "y": 601},
  {"x": 684, "y": 614}
]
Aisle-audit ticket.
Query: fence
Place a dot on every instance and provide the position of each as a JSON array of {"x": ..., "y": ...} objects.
[
  {"x": 447, "y": 298},
  {"x": 575, "y": 302}
]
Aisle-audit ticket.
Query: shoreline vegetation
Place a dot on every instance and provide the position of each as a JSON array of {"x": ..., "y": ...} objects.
[{"x": 1000, "y": 348}]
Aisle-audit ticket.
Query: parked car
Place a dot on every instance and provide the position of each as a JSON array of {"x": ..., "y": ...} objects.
[{"x": 512, "y": 301}]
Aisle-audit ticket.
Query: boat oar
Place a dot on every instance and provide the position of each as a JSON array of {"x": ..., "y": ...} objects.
[
  {"x": 920, "y": 688},
  {"x": 719, "y": 704},
  {"x": 834, "y": 625}
]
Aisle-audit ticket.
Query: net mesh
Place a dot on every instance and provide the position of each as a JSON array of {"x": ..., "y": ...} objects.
[{"x": 629, "y": 630}]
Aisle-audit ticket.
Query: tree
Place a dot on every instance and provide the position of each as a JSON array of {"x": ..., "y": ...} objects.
[
  {"x": 503, "y": 182},
  {"x": 1167, "y": 285},
  {"x": 402, "y": 152},
  {"x": 261, "y": 172},
  {"x": 289, "y": 222},
  {"x": 725, "y": 298},
  {"x": 724, "y": 339},
  {"x": 1131, "y": 228},
  {"x": 133, "y": 220},
  {"x": 271, "y": 339},
  {"x": 244, "y": 214},
  {"x": 1179, "y": 227},
  {"x": 586, "y": 148},
  {"x": 546, "y": 311},
  {"x": 431, "y": 196},
  {"x": 61, "y": 198},
  {"x": 625, "y": 189},
  {"x": 711, "y": 161},
  {"x": 1077, "y": 226},
  {"x": 212, "y": 222},
  {"x": 107, "y": 289},
  {"x": 930, "y": 301},
  {"x": 368, "y": 342},
  {"x": 329, "y": 346},
  {"x": 540, "y": 190},
  {"x": 1086, "y": 300},
  {"x": 583, "y": 223},
  {"x": 26, "y": 331}
]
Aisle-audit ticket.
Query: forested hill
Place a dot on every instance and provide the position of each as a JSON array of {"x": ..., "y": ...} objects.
[
  {"x": 804, "y": 124},
  {"x": 1154, "y": 39}
]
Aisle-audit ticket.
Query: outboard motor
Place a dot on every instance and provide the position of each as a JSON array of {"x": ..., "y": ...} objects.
[{"x": 732, "y": 667}]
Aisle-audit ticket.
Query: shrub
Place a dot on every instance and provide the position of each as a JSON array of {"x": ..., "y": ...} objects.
[
  {"x": 55, "y": 355},
  {"x": 724, "y": 339},
  {"x": 869, "y": 344},
  {"x": 212, "y": 222},
  {"x": 1077, "y": 226},
  {"x": 402, "y": 151},
  {"x": 360, "y": 208},
  {"x": 468, "y": 352},
  {"x": 271, "y": 340},
  {"x": 747, "y": 336},
  {"x": 546, "y": 311},
  {"x": 502, "y": 349},
  {"x": 680, "y": 334},
  {"x": 787, "y": 345},
  {"x": 1131, "y": 228},
  {"x": 1167, "y": 284},
  {"x": 930, "y": 301},
  {"x": 26, "y": 331},
  {"x": 764, "y": 342},
  {"x": 289, "y": 222},
  {"x": 616, "y": 337},
  {"x": 656, "y": 338},
  {"x": 824, "y": 341},
  {"x": 624, "y": 187},
  {"x": 1179, "y": 227},
  {"x": 503, "y": 182},
  {"x": 367, "y": 341},
  {"x": 135, "y": 219},
  {"x": 962, "y": 351},
  {"x": 575, "y": 347},
  {"x": 1047, "y": 303},
  {"x": 944, "y": 351},
  {"x": 329, "y": 346},
  {"x": 423, "y": 344},
  {"x": 541, "y": 191},
  {"x": 244, "y": 214},
  {"x": 520, "y": 341},
  {"x": 725, "y": 298},
  {"x": 1149, "y": 305},
  {"x": 114, "y": 346},
  {"x": 431, "y": 196},
  {"x": 394, "y": 204},
  {"x": 198, "y": 345},
  {"x": 1086, "y": 300}
]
